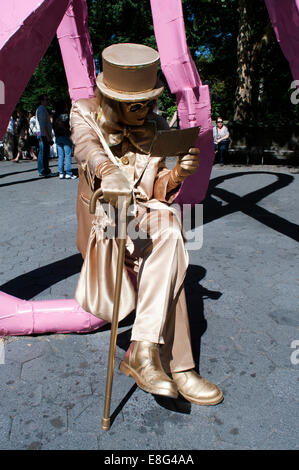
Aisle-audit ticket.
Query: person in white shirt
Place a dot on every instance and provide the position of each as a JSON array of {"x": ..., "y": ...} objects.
[
  {"x": 33, "y": 142},
  {"x": 221, "y": 139},
  {"x": 32, "y": 123},
  {"x": 53, "y": 148}
]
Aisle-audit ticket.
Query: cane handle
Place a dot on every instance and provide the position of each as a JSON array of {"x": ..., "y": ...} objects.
[{"x": 93, "y": 200}]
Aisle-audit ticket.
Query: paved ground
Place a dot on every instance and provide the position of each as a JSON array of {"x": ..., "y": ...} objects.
[{"x": 242, "y": 289}]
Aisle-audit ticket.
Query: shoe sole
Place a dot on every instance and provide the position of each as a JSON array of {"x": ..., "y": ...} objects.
[
  {"x": 128, "y": 371},
  {"x": 215, "y": 401}
]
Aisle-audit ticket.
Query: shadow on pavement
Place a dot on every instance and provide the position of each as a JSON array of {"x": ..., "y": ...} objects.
[
  {"x": 34, "y": 282},
  {"x": 122, "y": 403},
  {"x": 17, "y": 173},
  {"x": 38, "y": 178},
  {"x": 26, "y": 286},
  {"x": 195, "y": 295},
  {"x": 247, "y": 204}
]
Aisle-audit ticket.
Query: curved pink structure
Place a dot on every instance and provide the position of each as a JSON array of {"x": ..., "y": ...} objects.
[
  {"x": 26, "y": 30},
  {"x": 193, "y": 99},
  {"x": 23, "y": 317},
  {"x": 285, "y": 20},
  {"x": 76, "y": 51}
]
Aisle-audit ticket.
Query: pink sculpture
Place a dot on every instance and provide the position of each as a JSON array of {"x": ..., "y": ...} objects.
[
  {"x": 194, "y": 106},
  {"x": 76, "y": 51},
  {"x": 26, "y": 30},
  {"x": 41, "y": 19},
  {"x": 285, "y": 20},
  {"x": 23, "y": 317}
]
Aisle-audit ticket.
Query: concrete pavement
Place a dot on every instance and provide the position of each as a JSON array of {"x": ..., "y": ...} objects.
[{"x": 242, "y": 291}]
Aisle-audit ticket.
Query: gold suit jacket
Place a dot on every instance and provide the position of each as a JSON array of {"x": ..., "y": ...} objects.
[{"x": 149, "y": 177}]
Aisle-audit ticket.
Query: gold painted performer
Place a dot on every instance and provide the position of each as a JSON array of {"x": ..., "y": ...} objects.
[{"x": 121, "y": 115}]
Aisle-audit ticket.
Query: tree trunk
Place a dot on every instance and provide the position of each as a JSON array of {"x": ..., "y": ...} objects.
[
  {"x": 254, "y": 31},
  {"x": 244, "y": 54}
]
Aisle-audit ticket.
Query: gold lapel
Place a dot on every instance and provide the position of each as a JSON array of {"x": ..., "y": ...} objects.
[
  {"x": 141, "y": 163},
  {"x": 142, "y": 159}
]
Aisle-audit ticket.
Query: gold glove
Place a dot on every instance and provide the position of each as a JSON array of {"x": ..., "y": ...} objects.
[
  {"x": 185, "y": 166},
  {"x": 114, "y": 183}
]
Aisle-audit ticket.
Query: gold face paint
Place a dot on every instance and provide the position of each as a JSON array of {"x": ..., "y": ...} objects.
[{"x": 134, "y": 114}]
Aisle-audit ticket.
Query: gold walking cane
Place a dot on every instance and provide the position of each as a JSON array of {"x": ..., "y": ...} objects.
[{"x": 122, "y": 233}]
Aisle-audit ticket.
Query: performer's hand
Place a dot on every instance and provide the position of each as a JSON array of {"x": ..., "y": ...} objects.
[
  {"x": 185, "y": 166},
  {"x": 114, "y": 184},
  {"x": 188, "y": 164}
]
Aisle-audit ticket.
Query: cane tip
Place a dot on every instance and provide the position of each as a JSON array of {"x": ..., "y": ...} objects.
[{"x": 105, "y": 424}]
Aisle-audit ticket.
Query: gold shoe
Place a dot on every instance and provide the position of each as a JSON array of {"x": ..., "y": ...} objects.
[
  {"x": 144, "y": 365},
  {"x": 196, "y": 389}
]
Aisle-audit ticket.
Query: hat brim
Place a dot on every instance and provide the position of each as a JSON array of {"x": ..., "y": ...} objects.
[{"x": 129, "y": 97}]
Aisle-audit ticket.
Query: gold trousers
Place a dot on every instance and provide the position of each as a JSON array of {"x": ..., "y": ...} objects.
[{"x": 161, "y": 310}]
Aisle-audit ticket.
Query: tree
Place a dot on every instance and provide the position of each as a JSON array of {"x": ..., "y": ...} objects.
[
  {"x": 211, "y": 30},
  {"x": 264, "y": 78},
  {"x": 49, "y": 77},
  {"x": 255, "y": 32},
  {"x": 111, "y": 22},
  {"x": 231, "y": 41}
]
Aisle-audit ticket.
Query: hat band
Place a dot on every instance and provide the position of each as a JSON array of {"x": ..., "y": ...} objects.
[
  {"x": 130, "y": 79},
  {"x": 122, "y": 92},
  {"x": 132, "y": 67}
]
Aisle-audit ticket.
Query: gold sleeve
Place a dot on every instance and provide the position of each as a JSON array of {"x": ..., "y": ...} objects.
[
  {"x": 88, "y": 150},
  {"x": 162, "y": 190}
]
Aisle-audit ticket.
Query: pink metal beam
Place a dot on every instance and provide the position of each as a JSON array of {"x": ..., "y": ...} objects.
[
  {"x": 193, "y": 98},
  {"x": 24, "y": 317},
  {"x": 26, "y": 31},
  {"x": 285, "y": 20},
  {"x": 76, "y": 49}
]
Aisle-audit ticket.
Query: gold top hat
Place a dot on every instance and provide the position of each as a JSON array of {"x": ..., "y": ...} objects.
[{"x": 130, "y": 73}]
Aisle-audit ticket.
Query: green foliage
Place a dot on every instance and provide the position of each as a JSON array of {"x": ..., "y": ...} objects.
[
  {"x": 111, "y": 22},
  {"x": 212, "y": 29},
  {"x": 170, "y": 111},
  {"x": 49, "y": 77},
  {"x": 120, "y": 21}
]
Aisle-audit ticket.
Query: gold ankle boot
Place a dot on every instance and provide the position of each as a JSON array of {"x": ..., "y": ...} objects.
[
  {"x": 196, "y": 389},
  {"x": 144, "y": 365}
]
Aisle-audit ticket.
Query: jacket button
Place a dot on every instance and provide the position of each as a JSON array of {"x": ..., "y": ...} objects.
[{"x": 124, "y": 160}]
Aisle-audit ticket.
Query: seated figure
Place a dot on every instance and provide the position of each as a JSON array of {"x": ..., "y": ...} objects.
[{"x": 120, "y": 117}]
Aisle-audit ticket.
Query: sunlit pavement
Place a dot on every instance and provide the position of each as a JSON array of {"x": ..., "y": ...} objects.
[{"x": 242, "y": 291}]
